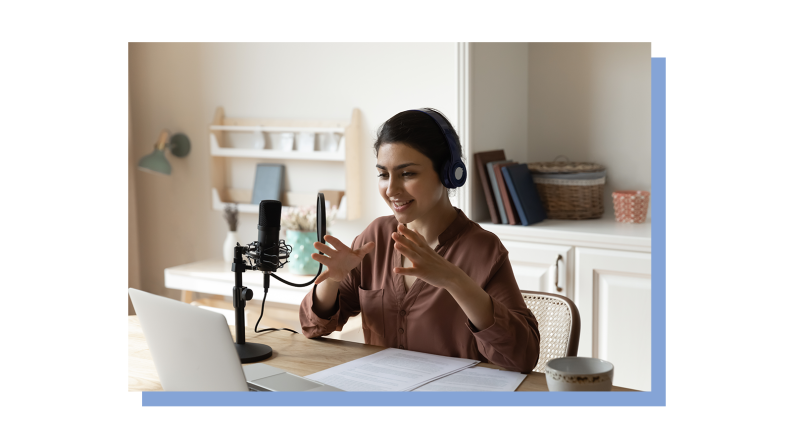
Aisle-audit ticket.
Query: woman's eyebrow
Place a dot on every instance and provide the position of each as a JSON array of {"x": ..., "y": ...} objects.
[{"x": 400, "y": 166}]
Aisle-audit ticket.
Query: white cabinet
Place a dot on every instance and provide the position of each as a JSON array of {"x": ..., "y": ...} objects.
[
  {"x": 614, "y": 297},
  {"x": 606, "y": 269},
  {"x": 541, "y": 267}
]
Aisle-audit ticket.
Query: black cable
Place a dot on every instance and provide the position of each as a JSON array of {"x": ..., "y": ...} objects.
[
  {"x": 286, "y": 249},
  {"x": 299, "y": 285},
  {"x": 255, "y": 329}
]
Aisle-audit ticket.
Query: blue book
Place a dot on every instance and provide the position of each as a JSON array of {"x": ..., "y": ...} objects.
[
  {"x": 524, "y": 194},
  {"x": 269, "y": 182}
]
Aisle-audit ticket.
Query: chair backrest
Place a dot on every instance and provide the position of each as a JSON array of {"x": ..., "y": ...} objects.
[{"x": 559, "y": 325}]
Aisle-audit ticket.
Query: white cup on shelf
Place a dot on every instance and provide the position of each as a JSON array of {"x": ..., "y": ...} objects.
[
  {"x": 305, "y": 141},
  {"x": 258, "y": 140},
  {"x": 283, "y": 141},
  {"x": 328, "y": 142}
]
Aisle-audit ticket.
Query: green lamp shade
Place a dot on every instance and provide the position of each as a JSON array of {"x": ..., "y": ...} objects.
[{"x": 155, "y": 162}]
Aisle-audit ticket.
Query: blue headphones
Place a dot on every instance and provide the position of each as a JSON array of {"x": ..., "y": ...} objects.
[{"x": 454, "y": 172}]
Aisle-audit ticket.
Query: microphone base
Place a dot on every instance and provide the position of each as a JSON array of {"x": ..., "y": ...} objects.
[{"x": 251, "y": 352}]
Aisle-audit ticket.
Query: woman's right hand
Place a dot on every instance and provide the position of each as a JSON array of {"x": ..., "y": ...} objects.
[{"x": 339, "y": 261}]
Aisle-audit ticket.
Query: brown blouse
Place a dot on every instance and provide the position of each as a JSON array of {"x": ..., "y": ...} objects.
[{"x": 426, "y": 318}]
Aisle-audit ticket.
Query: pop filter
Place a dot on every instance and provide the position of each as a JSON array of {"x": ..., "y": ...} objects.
[{"x": 321, "y": 228}]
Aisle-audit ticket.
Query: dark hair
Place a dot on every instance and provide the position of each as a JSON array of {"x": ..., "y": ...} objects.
[{"x": 419, "y": 131}]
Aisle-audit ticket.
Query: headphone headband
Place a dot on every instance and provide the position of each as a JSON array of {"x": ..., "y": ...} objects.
[{"x": 454, "y": 172}]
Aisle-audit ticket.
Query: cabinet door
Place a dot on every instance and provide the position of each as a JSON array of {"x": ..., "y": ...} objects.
[
  {"x": 614, "y": 297},
  {"x": 537, "y": 267}
]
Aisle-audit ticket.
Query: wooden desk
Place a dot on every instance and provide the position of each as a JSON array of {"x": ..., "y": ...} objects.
[{"x": 291, "y": 352}]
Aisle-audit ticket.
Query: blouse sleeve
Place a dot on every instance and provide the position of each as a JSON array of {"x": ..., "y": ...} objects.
[
  {"x": 512, "y": 341},
  {"x": 315, "y": 324}
]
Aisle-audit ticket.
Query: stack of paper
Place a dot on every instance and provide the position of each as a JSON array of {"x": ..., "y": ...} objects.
[
  {"x": 477, "y": 379},
  {"x": 391, "y": 370}
]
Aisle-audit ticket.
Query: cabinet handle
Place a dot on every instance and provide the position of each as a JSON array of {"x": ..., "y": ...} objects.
[{"x": 558, "y": 273}]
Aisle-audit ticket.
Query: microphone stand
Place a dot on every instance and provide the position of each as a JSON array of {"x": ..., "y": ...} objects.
[
  {"x": 252, "y": 352},
  {"x": 248, "y": 352}
]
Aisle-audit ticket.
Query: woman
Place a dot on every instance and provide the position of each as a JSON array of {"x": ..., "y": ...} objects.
[{"x": 427, "y": 278}]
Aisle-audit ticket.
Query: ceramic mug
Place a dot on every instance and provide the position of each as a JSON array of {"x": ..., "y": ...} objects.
[{"x": 573, "y": 374}]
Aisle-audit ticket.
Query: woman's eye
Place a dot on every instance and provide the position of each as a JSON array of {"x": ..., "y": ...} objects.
[{"x": 404, "y": 174}]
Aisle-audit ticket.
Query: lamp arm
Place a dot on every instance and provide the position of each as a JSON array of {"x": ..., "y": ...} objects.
[{"x": 162, "y": 141}]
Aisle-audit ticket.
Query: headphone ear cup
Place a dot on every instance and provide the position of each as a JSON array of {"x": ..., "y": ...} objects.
[
  {"x": 445, "y": 175},
  {"x": 457, "y": 174}
]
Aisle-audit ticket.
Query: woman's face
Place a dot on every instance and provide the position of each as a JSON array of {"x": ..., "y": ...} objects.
[{"x": 408, "y": 182}]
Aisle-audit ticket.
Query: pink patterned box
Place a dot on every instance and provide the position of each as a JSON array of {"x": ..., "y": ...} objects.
[{"x": 631, "y": 205}]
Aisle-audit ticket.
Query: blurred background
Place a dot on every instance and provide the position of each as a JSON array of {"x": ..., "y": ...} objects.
[{"x": 589, "y": 102}]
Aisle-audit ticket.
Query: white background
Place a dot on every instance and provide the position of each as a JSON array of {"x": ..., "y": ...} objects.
[{"x": 64, "y": 122}]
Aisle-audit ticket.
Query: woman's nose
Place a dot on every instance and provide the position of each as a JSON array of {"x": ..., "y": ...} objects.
[{"x": 394, "y": 187}]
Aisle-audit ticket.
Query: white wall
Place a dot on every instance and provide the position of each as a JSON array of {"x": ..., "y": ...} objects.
[
  {"x": 498, "y": 108},
  {"x": 178, "y": 86},
  {"x": 133, "y": 258},
  {"x": 588, "y": 101},
  {"x": 592, "y": 103}
]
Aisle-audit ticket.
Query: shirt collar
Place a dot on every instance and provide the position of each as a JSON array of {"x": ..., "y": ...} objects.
[{"x": 454, "y": 229}]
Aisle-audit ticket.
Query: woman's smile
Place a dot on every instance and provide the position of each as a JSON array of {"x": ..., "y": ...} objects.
[{"x": 401, "y": 206}]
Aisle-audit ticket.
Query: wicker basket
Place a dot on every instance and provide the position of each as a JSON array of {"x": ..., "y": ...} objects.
[{"x": 570, "y": 199}]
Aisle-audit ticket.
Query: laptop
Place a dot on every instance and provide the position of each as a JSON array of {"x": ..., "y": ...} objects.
[{"x": 193, "y": 351}]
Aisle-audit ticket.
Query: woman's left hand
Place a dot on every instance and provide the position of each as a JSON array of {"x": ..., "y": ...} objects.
[{"x": 427, "y": 264}]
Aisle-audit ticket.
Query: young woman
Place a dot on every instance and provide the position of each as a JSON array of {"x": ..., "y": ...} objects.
[{"x": 427, "y": 278}]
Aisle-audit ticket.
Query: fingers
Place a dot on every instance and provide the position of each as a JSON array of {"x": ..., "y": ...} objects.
[
  {"x": 404, "y": 241},
  {"x": 322, "y": 276},
  {"x": 409, "y": 232},
  {"x": 321, "y": 247},
  {"x": 411, "y": 235},
  {"x": 364, "y": 250},
  {"x": 324, "y": 260},
  {"x": 414, "y": 257},
  {"x": 405, "y": 247},
  {"x": 336, "y": 243},
  {"x": 405, "y": 271}
]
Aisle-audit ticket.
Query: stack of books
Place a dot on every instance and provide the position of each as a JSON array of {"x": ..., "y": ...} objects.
[{"x": 509, "y": 188}]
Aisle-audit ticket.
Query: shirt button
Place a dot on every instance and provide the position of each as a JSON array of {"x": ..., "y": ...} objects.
[
  {"x": 401, "y": 347},
  {"x": 401, "y": 330},
  {"x": 402, "y": 312}
]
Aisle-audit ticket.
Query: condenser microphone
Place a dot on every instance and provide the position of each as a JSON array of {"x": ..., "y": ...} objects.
[
  {"x": 268, "y": 252},
  {"x": 268, "y": 233}
]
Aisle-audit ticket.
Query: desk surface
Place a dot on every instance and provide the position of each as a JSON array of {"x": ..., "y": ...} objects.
[{"x": 291, "y": 352}]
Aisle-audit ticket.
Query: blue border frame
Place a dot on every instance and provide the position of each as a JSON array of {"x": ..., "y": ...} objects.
[{"x": 657, "y": 397}]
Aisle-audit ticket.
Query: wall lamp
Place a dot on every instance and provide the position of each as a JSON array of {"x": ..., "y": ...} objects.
[{"x": 156, "y": 162}]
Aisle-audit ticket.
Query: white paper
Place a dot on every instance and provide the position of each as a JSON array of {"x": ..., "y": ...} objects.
[
  {"x": 476, "y": 379},
  {"x": 390, "y": 370}
]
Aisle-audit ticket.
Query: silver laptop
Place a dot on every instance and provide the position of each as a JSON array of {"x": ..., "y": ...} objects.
[{"x": 193, "y": 351}]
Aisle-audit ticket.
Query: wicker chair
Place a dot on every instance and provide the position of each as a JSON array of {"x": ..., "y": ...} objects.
[{"x": 559, "y": 325}]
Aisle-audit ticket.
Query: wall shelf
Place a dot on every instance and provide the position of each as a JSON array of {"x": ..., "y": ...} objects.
[
  {"x": 258, "y": 128},
  {"x": 346, "y": 157},
  {"x": 250, "y": 208},
  {"x": 216, "y": 150}
]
